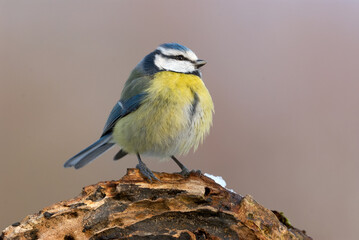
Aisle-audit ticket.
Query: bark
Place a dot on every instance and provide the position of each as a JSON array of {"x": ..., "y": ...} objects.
[{"x": 177, "y": 207}]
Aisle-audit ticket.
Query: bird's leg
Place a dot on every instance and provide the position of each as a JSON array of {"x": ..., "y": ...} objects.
[
  {"x": 184, "y": 171},
  {"x": 144, "y": 170}
]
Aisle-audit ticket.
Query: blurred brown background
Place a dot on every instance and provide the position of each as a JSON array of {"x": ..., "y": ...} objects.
[{"x": 283, "y": 75}]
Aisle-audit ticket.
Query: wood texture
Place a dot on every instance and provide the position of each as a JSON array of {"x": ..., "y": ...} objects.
[{"x": 193, "y": 207}]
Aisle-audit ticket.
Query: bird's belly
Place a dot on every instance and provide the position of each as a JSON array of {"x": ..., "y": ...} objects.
[
  {"x": 161, "y": 131},
  {"x": 174, "y": 117}
]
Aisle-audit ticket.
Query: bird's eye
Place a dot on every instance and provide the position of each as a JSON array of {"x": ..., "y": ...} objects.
[{"x": 180, "y": 57}]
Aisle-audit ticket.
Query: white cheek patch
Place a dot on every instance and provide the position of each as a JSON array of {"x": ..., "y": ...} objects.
[{"x": 173, "y": 65}]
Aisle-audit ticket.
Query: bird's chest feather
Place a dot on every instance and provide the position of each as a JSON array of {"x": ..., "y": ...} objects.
[
  {"x": 177, "y": 95},
  {"x": 174, "y": 116}
]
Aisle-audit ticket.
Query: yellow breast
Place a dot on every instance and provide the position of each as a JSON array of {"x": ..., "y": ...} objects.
[{"x": 174, "y": 117}]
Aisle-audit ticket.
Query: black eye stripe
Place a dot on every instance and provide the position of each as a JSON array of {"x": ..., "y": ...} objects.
[{"x": 178, "y": 57}]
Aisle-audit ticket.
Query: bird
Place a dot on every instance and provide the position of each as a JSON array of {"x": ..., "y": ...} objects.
[{"x": 164, "y": 110}]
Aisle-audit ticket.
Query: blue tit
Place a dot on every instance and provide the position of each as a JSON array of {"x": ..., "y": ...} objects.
[{"x": 164, "y": 110}]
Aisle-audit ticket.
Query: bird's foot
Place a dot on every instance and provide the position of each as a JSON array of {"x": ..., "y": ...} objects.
[
  {"x": 196, "y": 171},
  {"x": 185, "y": 172},
  {"x": 145, "y": 171}
]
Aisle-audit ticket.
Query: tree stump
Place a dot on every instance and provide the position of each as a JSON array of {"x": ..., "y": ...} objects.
[{"x": 177, "y": 207}]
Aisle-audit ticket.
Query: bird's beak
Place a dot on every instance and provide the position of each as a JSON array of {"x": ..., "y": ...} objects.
[{"x": 199, "y": 63}]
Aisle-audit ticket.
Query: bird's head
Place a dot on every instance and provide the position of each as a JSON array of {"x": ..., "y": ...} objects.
[{"x": 173, "y": 57}]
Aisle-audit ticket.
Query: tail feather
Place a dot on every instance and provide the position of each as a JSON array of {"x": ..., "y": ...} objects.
[
  {"x": 90, "y": 153},
  {"x": 120, "y": 154}
]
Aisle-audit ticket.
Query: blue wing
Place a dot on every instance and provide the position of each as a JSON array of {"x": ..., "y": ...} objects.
[{"x": 121, "y": 109}]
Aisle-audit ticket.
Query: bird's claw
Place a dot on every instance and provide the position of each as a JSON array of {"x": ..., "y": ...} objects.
[
  {"x": 196, "y": 171},
  {"x": 146, "y": 172},
  {"x": 185, "y": 172}
]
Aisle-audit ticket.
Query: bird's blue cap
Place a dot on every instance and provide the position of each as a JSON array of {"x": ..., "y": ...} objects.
[{"x": 175, "y": 46}]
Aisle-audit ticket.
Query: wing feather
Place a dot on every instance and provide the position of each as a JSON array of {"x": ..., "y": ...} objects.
[{"x": 121, "y": 109}]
